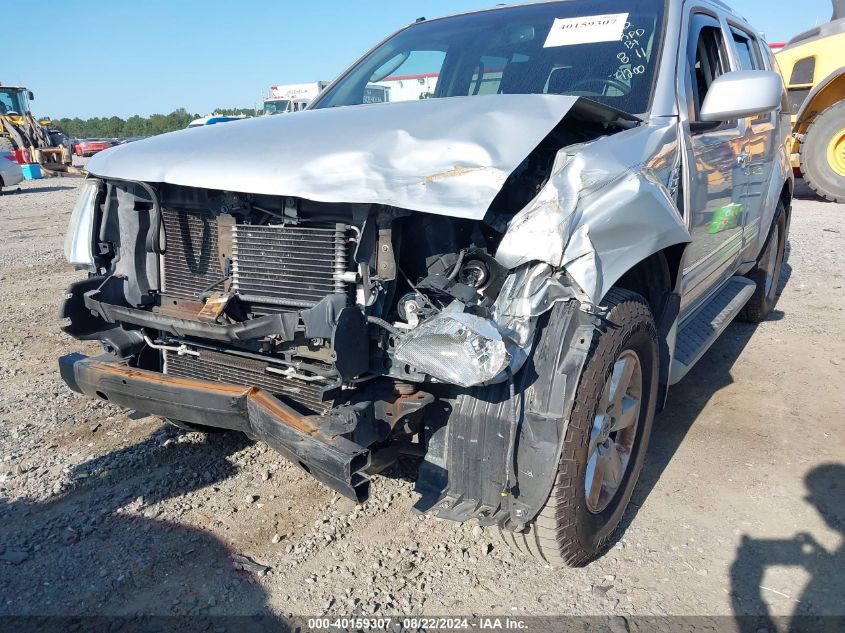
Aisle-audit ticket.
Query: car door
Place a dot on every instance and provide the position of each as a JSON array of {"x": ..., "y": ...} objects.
[
  {"x": 758, "y": 144},
  {"x": 715, "y": 178}
]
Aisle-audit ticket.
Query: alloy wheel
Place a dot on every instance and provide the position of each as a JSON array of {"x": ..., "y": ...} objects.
[{"x": 614, "y": 432}]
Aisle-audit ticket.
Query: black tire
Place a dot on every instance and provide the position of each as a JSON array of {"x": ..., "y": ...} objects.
[
  {"x": 766, "y": 274},
  {"x": 567, "y": 532},
  {"x": 819, "y": 174},
  {"x": 196, "y": 428}
]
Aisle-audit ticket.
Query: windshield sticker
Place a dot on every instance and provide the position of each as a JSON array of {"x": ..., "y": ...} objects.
[{"x": 587, "y": 30}]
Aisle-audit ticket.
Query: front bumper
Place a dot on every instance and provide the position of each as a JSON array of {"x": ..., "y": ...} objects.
[{"x": 333, "y": 460}]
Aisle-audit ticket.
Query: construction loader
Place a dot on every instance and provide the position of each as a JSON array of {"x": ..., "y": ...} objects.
[
  {"x": 813, "y": 69},
  {"x": 20, "y": 131}
]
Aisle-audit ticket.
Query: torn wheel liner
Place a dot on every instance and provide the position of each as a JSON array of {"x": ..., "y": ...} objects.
[{"x": 472, "y": 447}]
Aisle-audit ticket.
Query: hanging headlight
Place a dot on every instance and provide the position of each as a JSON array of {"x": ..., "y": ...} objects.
[
  {"x": 79, "y": 240},
  {"x": 456, "y": 348}
]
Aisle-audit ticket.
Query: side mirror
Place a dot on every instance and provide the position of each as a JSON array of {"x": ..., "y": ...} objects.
[
  {"x": 30, "y": 95},
  {"x": 742, "y": 94}
]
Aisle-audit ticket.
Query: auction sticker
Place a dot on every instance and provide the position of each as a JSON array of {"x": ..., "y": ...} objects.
[{"x": 587, "y": 30}]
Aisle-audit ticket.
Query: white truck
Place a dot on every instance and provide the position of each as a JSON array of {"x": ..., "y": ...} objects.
[{"x": 292, "y": 97}]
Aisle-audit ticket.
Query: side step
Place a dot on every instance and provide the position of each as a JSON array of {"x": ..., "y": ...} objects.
[{"x": 701, "y": 330}]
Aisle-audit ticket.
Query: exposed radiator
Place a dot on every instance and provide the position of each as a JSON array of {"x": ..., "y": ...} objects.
[
  {"x": 191, "y": 262},
  {"x": 236, "y": 370},
  {"x": 285, "y": 266},
  {"x": 293, "y": 266}
]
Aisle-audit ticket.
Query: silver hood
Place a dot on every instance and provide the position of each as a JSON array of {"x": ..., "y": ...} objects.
[{"x": 445, "y": 156}]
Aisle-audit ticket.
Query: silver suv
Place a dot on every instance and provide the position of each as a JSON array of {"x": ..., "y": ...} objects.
[{"x": 492, "y": 244}]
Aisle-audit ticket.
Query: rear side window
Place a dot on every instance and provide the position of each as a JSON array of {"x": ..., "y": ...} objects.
[
  {"x": 748, "y": 51},
  {"x": 709, "y": 61}
]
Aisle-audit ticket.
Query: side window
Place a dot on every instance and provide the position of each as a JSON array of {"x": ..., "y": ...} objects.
[
  {"x": 750, "y": 57},
  {"x": 487, "y": 75},
  {"x": 708, "y": 62},
  {"x": 747, "y": 51},
  {"x": 800, "y": 83},
  {"x": 408, "y": 76},
  {"x": 803, "y": 73}
]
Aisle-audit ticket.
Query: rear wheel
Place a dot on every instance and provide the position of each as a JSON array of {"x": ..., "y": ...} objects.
[
  {"x": 823, "y": 154},
  {"x": 767, "y": 272},
  {"x": 605, "y": 442}
]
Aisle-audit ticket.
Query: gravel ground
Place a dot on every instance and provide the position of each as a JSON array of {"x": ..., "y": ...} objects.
[{"x": 105, "y": 511}]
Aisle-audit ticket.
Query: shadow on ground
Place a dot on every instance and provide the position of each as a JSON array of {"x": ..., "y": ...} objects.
[
  {"x": 73, "y": 554},
  {"x": 24, "y": 191},
  {"x": 689, "y": 398},
  {"x": 803, "y": 192},
  {"x": 822, "y": 597}
]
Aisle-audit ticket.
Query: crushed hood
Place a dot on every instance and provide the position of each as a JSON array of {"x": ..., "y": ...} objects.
[{"x": 444, "y": 156}]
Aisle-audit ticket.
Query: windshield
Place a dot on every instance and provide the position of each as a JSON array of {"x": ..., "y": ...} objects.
[
  {"x": 276, "y": 107},
  {"x": 606, "y": 50},
  {"x": 12, "y": 101}
]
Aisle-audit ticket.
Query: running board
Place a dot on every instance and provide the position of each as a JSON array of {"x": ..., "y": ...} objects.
[{"x": 701, "y": 330}]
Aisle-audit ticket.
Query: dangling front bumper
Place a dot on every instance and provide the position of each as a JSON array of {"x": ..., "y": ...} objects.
[{"x": 333, "y": 460}]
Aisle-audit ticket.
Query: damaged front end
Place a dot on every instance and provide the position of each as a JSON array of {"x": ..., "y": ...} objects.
[{"x": 339, "y": 329}]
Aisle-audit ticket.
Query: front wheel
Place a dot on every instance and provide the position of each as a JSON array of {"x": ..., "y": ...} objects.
[{"x": 606, "y": 440}]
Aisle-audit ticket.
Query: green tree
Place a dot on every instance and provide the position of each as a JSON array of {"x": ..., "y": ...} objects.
[{"x": 115, "y": 127}]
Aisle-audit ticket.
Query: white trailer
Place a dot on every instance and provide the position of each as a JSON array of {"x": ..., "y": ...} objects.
[
  {"x": 292, "y": 97},
  {"x": 409, "y": 87}
]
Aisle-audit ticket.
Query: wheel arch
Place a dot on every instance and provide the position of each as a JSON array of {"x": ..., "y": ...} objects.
[
  {"x": 654, "y": 276},
  {"x": 657, "y": 279},
  {"x": 786, "y": 193}
]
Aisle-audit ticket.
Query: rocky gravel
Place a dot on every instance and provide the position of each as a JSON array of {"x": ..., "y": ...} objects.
[{"x": 109, "y": 512}]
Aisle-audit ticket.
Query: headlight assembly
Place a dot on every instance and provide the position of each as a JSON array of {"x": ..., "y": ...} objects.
[
  {"x": 79, "y": 240},
  {"x": 456, "y": 348}
]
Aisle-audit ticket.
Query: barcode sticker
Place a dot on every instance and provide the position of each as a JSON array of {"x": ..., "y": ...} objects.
[{"x": 587, "y": 30}]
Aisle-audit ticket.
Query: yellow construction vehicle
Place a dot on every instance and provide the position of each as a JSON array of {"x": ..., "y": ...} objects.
[
  {"x": 813, "y": 68},
  {"x": 19, "y": 130}
]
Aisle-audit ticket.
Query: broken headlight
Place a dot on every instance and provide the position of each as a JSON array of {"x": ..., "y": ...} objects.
[
  {"x": 455, "y": 348},
  {"x": 79, "y": 240}
]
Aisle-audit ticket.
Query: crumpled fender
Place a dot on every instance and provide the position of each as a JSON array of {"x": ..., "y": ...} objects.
[{"x": 606, "y": 207}]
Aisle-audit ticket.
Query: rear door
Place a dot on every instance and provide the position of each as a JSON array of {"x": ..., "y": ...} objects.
[
  {"x": 714, "y": 176},
  {"x": 758, "y": 144}
]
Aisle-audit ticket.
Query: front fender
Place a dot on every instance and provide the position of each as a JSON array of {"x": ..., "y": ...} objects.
[
  {"x": 622, "y": 226},
  {"x": 605, "y": 208}
]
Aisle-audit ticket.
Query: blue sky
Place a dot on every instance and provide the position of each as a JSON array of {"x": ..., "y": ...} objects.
[{"x": 140, "y": 57}]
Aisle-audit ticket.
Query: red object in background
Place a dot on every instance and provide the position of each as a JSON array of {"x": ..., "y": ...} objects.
[
  {"x": 20, "y": 156},
  {"x": 90, "y": 146}
]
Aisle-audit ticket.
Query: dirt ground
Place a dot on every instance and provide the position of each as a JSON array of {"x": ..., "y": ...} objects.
[{"x": 740, "y": 510}]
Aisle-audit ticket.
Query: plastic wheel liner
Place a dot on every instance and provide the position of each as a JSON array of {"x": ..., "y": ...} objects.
[{"x": 463, "y": 475}]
